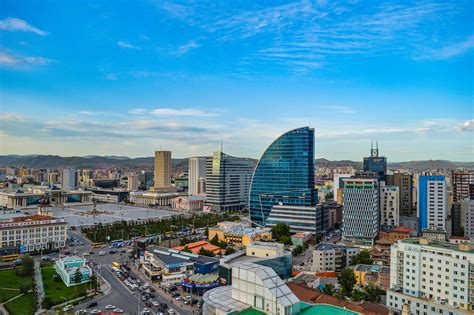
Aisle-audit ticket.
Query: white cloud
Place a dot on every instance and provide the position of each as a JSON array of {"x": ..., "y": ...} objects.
[
  {"x": 127, "y": 45},
  {"x": 180, "y": 112},
  {"x": 10, "y": 60},
  {"x": 468, "y": 125},
  {"x": 111, "y": 77},
  {"x": 17, "y": 25},
  {"x": 137, "y": 111},
  {"x": 449, "y": 51},
  {"x": 184, "y": 49}
]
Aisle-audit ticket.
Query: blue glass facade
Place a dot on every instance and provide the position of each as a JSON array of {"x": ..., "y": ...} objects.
[
  {"x": 423, "y": 199},
  {"x": 284, "y": 175}
]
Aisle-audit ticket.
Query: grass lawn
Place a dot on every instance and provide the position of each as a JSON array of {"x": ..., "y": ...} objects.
[
  {"x": 22, "y": 305},
  {"x": 57, "y": 290}
]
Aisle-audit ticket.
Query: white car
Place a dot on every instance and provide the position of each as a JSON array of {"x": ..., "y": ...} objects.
[
  {"x": 67, "y": 308},
  {"x": 155, "y": 303},
  {"x": 109, "y": 307},
  {"x": 146, "y": 311},
  {"x": 118, "y": 310},
  {"x": 95, "y": 311},
  {"x": 101, "y": 253},
  {"x": 170, "y": 311}
]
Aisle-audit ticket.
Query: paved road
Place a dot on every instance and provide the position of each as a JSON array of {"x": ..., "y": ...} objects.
[{"x": 39, "y": 283}]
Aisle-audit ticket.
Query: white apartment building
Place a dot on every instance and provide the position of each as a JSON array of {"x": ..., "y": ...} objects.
[
  {"x": 467, "y": 209},
  {"x": 197, "y": 175},
  {"x": 360, "y": 211},
  {"x": 33, "y": 233},
  {"x": 68, "y": 179},
  {"x": 432, "y": 202},
  {"x": 431, "y": 277},
  {"x": 332, "y": 257},
  {"x": 389, "y": 206}
]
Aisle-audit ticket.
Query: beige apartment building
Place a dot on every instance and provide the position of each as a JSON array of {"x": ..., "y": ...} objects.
[
  {"x": 162, "y": 170},
  {"x": 33, "y": 233}
]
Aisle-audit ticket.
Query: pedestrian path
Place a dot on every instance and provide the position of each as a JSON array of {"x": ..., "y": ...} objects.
[{"x": 39, "y": 286}]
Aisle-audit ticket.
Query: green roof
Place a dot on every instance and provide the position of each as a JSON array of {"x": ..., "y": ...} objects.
[
  {"x": 251, "y": 311},
  {"x": 324, "y": 309}
]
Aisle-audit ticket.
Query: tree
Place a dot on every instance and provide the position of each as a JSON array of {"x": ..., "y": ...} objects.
[
  {"x": 28, "y": 267},
  {"x": 373, "y": 292},
  {"x": 298, "y": 250},
  {"x": 328, "y": 289},
  {"x": 347, "y": 281},
  {"x": 205, "y": 252},
  {"x": 319, "y": 238},
  {"x": 24, "y": 288},
  {"x": 362, "y": 258},
  {"x": 186, "y": 249},
  {"x": 329, "y": 196},
  {"x": 215, "y": 240},
  {"x": 93, "y": 280},
  {"x": 77, "y": 276},
  {"x": 280, "y": 230},
  {"x": 285, "y": 240},
  {"x": 184, "y": 241},
  {"x": 229, "y": 250}
]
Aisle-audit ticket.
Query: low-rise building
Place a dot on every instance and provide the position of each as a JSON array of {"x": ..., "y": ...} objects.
[
  {"x": 332, "y": 257},
  {"x": 187, "y": 203},
  {"x": 301, "y": 238},
  {"x": 37, "y": 194},
  {"x": 34, "y": 232},
  {"x": 265, "y": 249},
  {"x": 238, "y": 234},
  {"x": 396, "y": 234},
  {"x": 435, "y": 234},
  {"x": 196, "y": 247},
  {"x": 68, "y": 267},
  {"x": 171, "y": 267},
  {"x": 373, "y": 274},
  {"x": 431, "y": 277}
]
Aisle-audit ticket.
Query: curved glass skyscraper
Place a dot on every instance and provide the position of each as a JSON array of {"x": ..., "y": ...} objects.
[{"x": 284, "y": 175}]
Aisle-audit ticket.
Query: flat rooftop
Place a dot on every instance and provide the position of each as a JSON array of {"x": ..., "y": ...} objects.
[{"x": 437, "y": 244}]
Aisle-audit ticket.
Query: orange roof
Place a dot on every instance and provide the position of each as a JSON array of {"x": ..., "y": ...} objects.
[
  {"x": 196, "y": 247},
  {"x": 35, "y": 217},
  {"x": 316, "y": 297},
  {"x": 295, "y": 273},
  {"x": 402, "y": 229},
  {"x": 326, "y": 274}
]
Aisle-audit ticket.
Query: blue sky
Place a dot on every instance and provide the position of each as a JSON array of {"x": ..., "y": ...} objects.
[{"x": 89, "y": 77}]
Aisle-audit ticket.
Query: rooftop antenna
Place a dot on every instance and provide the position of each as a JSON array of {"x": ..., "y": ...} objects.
[{"x": 222, "y": 145}]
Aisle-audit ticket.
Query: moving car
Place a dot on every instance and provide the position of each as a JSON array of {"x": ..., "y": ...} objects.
[
  {"x": 109, "y": 307},
  {"x": 92, "y": 304}
]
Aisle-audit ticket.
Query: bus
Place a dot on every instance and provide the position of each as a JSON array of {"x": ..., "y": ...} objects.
[
  {"x": 116, "y": 264},
  {"x": 97, "y": 245},
  {"x": 11, "y": 257}
]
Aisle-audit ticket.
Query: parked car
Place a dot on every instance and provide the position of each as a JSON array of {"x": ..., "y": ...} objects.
[
  {"x": 92, "y": 304},
  {"x": 109, "y": 307},
  {"x": 155, "y": 303},
  {"x": 164, "y": 305}
]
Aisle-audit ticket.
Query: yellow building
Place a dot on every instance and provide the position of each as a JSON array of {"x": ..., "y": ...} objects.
[
  {"x": 162, "y": 170},
  {"x": 238, "y": 234},
  {"x": 265, "y": 249}
]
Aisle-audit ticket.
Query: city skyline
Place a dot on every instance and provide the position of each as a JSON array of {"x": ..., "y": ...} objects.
[{"x": 86, "y": 78}]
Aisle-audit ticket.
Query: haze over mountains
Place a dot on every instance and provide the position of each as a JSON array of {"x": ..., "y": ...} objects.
[{"x": 94, "y": 161}]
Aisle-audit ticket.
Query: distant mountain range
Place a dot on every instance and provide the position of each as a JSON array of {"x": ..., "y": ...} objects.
[{"x": 95, "y": 161}]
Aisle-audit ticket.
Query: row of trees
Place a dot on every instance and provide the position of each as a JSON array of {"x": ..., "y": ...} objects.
[{"x": 129, "y": 229}]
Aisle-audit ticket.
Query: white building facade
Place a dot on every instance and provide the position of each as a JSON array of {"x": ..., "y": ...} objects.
[
  {"x": 68, "y": 179},
  {"x": 467, "y": 209},
  {"x": 431, "y": 277},
  {"x": 197, "y": 175},
  {"x": 389, "y": 206},
  {"x": 360, "y": 211}
]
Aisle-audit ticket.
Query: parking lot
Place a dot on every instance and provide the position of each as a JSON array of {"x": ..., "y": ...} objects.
[{"x": 82, "y": 215}]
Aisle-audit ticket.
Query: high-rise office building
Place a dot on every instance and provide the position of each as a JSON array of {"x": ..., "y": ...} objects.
[
  {"x": 284, "y": 175},
  {"x": 431, "y": 277},
  {"x": 68, "y": 179},
  {"x": 432, "y": 202},
  {"x": 132, "y": 183},
  {"x": 375, "y": 163},
  {"x": 467, "y": 212},
  {"x": 197, "y": 175},
  {"x": 228, "y": 182},
  {"x": 463, "y": 185},
  {"x": 360, "y": 211},
  {"x": 162, "y": 170},
  {"x": 404, "y": 182},
  {"x": 338, "y": 186},
  {"x": 389, "y": 206}
]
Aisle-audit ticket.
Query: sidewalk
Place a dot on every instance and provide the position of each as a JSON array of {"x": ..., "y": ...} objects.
[{"x": 39, "y": 286}]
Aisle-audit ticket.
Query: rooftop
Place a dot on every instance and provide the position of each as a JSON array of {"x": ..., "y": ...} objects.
[
  {"x": 437, "y": 244},
  {"x": 331, "y": 246},
  {"x": 372, "y": 268},
  {"x": 172, "y": 256},
  {"x": 196, "y": 247}
]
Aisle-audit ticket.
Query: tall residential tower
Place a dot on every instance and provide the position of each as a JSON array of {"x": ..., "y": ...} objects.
[
  {"x": 197, "y": 175},
  {"x": 162, "y": 170}
]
